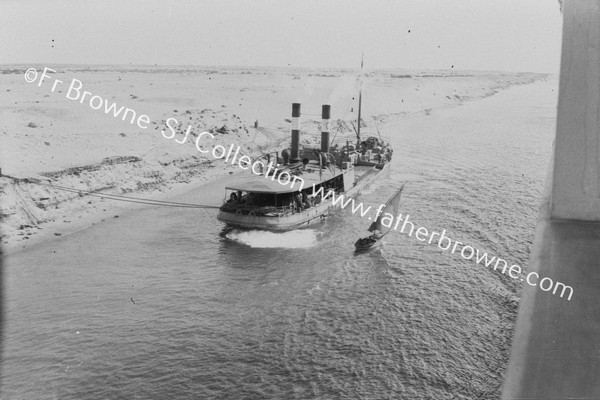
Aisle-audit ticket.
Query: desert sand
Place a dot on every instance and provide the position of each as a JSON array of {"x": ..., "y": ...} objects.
[{"x": 47, "y": 138}]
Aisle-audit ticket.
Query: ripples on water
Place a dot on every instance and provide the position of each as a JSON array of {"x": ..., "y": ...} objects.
[{"x": 156, "y": 304}]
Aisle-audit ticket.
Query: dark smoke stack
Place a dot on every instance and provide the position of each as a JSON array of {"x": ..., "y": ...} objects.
[
  {"x": 295, "y": 156},
  {"x": 285, "y": 154},
  {"x": 325, "y": 114}
]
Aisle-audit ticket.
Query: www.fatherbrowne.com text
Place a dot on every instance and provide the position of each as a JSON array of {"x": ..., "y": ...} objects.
[{"x": 446, "y": 244}]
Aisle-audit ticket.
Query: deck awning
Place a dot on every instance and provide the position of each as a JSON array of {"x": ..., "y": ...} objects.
[
  {"x": 262, "y": 184},
  {"x": 259, "y": 184}
]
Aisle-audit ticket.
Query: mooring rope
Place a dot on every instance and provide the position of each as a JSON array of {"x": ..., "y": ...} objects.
[{"x": 129, "y": 199}]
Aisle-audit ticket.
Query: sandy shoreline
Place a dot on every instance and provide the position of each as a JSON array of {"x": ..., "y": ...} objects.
[{"x": 46, "y": 137}]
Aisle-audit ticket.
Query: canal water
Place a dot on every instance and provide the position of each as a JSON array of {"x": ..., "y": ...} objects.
[{"x": 157, "y": 304}]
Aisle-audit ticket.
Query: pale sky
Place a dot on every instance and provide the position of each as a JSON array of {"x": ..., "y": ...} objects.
[{"x": 510, "y": 35}]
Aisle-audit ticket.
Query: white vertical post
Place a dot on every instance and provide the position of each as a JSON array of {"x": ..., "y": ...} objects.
[{"x": 576, "y": 180}]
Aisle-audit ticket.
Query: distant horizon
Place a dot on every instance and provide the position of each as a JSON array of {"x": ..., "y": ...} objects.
[{"x": 366, "y": 69}]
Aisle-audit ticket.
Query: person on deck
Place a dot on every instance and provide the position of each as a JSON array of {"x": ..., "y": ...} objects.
[{"x": 298, "y": 200}]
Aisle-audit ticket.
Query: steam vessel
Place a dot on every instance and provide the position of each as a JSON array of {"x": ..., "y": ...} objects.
[{"x": 268, "y": 201}]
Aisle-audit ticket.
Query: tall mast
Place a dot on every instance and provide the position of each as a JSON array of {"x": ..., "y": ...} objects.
[{"x": 359, "y": 102}]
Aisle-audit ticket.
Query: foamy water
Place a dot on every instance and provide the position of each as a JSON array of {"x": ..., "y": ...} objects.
[
  {"x": 297, "y": 239},
  {"x": 156, "y": 304}
]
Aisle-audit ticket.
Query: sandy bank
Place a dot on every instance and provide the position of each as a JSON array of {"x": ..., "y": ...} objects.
[{"x": 47, "y": 138}]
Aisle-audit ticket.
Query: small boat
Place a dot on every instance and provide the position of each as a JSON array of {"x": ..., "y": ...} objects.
[
  {"x": 366, "y": 243},
  {"x": 389, "y": 211}
]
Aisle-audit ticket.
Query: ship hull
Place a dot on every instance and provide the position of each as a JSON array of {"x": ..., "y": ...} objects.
[{"x": 299, "y": 219}]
